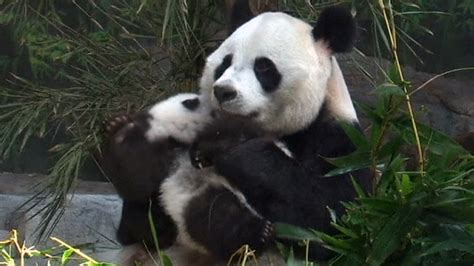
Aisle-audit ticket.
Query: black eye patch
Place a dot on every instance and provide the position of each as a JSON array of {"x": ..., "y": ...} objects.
[
  {"x": 267, "y": 73},
  {"x": 226, "y": 62},
  {"x": 191, "y": 104}
]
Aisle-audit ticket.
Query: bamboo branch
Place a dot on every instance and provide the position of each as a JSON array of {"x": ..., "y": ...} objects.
[{"x": 390, "y": 24}]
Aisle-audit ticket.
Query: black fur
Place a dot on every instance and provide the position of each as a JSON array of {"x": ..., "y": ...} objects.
[
  {"x": 222, "y": 234},
  {"x": 135, "y": 226},
  {"x": 226, "y": 63},
  {"x": 293, "y": 190},
  {"x": 217, "y": 138},
  {"x": 191, "y": 104},
  {"x": 337, "y": 27},
  {"x": 267, "y": 74},
  {"x": 136, "y": 168},
  {"x": 240, "y": 14},
  {"x": 224, "y": 93}
]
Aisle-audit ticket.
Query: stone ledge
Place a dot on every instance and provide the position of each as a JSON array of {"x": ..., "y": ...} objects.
[{"x": 28, "y": 184}]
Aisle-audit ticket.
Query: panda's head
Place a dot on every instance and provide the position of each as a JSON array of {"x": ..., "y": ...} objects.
[
  {"x": 178, "y": 118},
  {"x": 277, "y": 70}
]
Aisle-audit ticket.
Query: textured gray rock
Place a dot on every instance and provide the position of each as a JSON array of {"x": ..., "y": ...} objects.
[
  {"x": 446, "y": 104},
  {"x": 87, "y": 219},
  {"x": 4, "y": 234},
  {"x": 90, "y": 217}
]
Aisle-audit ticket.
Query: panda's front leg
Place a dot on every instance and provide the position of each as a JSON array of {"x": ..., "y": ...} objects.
[
  {"x": 223, "y": 222},
  {"x": 219, "y": 138},
  {"x": 259, "y": 169}
]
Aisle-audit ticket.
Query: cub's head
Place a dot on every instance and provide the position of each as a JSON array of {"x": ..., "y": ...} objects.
[
  {"x": 178, "y": 118},
  {"x": 275, "y": 69}
]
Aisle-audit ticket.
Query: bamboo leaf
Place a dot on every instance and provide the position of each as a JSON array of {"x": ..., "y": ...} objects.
[
  {"x": 294, "y": 232},
  {"x": 66, "y": 256},
  {"x": 389, "y": 89},
  {"x": 388, "y": 239},
  {"x": 352, "y": 162},
  {"x": 356, "y": 135}
]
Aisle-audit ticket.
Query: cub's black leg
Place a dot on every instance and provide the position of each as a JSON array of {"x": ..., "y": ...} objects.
[
  {"x": 134, "y": 165},
  {"x": 219, "y": 221},
  {"x": 135, "y": 227}
]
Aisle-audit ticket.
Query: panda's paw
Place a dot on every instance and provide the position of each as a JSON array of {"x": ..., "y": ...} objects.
[
  {"x": 267, "y": 233},
  {"x": 115, "y": 123},
  {"x": 260, "y": 237},
  {"x": 199, "y": 159}
]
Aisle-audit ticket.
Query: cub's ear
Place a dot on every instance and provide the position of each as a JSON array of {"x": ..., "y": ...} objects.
[
  {"x": 240, "y": 14},
  {"x": 337, "y": 27}
]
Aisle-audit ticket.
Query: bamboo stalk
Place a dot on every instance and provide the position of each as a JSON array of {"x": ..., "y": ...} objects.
[{"x": 390, "y": 24}]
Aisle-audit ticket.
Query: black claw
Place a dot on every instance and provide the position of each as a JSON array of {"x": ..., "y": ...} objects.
[{"x": 267, "y": 232}]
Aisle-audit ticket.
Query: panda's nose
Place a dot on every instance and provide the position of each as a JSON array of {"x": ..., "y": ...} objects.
[{"x": 224, "y": 93}]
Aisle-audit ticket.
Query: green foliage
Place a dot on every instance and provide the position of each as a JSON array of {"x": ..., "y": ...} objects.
[
  {"x": 164, "y": 259},
  {"x": 433, "y": 34}
]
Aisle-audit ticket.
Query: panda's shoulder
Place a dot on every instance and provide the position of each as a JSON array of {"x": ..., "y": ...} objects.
[{"x": 324, "y": 136}]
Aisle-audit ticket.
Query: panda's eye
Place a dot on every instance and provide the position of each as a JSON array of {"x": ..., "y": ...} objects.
[
  {"x": 263, "y": 64},
  {"x": 226, "y": 62},
  {"x": 267, "y": 74}
]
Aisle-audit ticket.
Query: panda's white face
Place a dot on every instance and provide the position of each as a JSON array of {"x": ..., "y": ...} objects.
[
  {"x": 180, "y": 117},
  {"x": 271, "y": 70}
]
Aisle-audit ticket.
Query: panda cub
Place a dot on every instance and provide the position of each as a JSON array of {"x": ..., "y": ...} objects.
[
  {"x": 280, "y": 74},
  {"x": 140, "y": 152}
]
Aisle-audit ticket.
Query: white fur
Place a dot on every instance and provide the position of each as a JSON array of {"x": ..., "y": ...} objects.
[
  {"x": 283, "y": 148},
  {"x": 183, "y": 186},
  {"x": 176, "y": 193},
  {"x": 171, "y": 118},
  {"x": 304, "y": 64},
  {"x": 338, "y": 98},
  {"x": 308, "y": 75}
]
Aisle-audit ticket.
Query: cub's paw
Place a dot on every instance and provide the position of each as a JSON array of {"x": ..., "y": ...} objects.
[
  {"x": 112, "y": 125},
  {"x": 261, "y": 236},
  {"x": 119, "y": 127},
  {"x": 204, "y": 152},
  {"x": 199, "y": 158}
]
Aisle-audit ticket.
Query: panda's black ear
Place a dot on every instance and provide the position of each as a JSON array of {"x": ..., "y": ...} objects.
[
  {"x": 337, "y": 27},
  {"x": 191, "y": 104},
  {"x": 240, "y": 13}
]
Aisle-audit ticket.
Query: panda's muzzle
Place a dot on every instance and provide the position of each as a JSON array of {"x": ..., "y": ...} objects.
[{"x": 224, "y": 93}]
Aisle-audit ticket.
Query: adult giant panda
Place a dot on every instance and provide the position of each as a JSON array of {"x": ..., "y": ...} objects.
[{"x": 279, "y": 73}]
